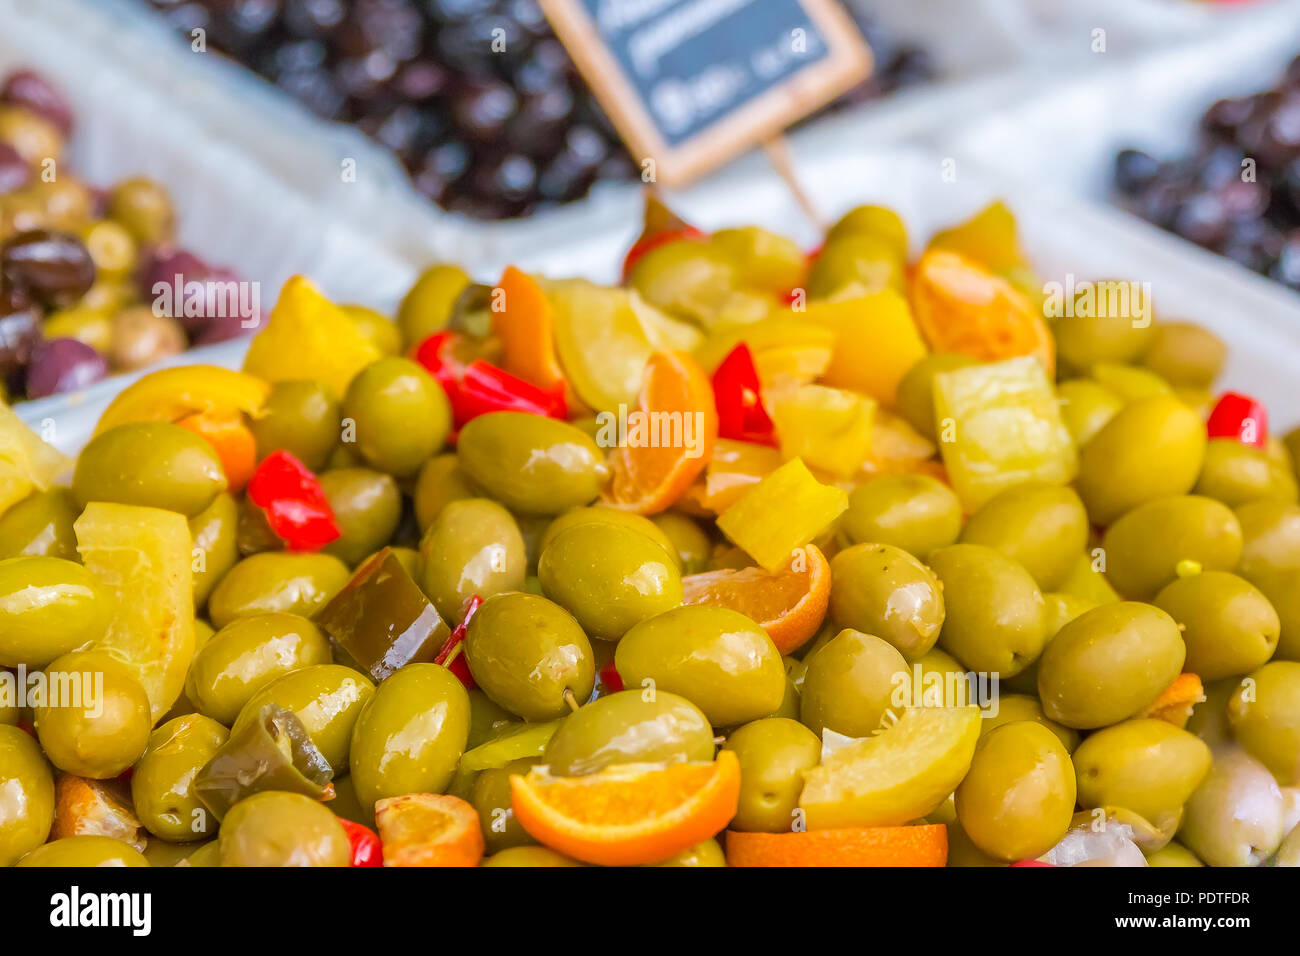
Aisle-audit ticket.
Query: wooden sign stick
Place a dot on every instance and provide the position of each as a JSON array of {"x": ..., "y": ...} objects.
[{"x": 778, "y": 154}]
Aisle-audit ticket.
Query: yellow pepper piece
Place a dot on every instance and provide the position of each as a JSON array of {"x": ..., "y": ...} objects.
[
  {"x": 829, "y": 428},
  {"x": 142, "y": 556},
  {"x": 309, "y": 337},
  {"x": 784, "y": 511},
  {"x": 785, "y": 350},
  {"x": 999, "y": 426},
  {"x": 876, "y": 342},
  {"x": 173, "y": 393},
  {"x": 663, "y": 332},
  {"x": 601, "y": 342},
  {"x": 27, "y": 463},
  {"x": 734, "y": 467}
]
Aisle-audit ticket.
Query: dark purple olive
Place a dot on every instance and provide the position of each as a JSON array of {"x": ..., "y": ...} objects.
[
  {"x": 222, "y": 328},
  {"x": 14, "y": 171},
  {"x": 169, "y": 266},
  {"x": 33, "y": 92},
  {"x": 63, "y": 365},
  {"x": 20, "y": 332},
  {"x": 54, "y": 266}
]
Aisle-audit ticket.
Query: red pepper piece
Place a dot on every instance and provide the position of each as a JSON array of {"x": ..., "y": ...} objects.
[
  {"x": 739, "y": 398},
  {"x": 480, "y": 387},
  {"x": 437, "y": 354},
  {"x": 648, "y": 243},
  {"x": 1241, "y": 417},
  {"x": 296, "y": 508},
  {"x": 367, "y": 850},
  {"x": 459, "y": 666},
  {"x": 610, "y": 678}
]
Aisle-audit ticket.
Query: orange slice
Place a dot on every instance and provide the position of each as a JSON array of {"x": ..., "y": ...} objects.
[
  {"x": 1175, "y": 702},
  {"x": 426, "y": 829},
  {"x": 669, "y": 442},
  {"x": 925, "y": 845},
  {"x": 790, "y": 603},
  {"x": 628, "y": 814},
  {"x": 526, "y": 330},
  {"x": 961, "y": 307},
  {"x": 231, "y": 439}
]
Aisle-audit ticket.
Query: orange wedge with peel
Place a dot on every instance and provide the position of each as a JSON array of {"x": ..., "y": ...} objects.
[
  {"x": 628, "y": 814},
  {"x": 525, "y": 328},
  {"x": 922, "y": 845},
  {"x": 231, "y": 439},
  {"x": 173, "y": 393},
  {"x": 1176, "y": 701},
  {"x": 671, "y": 440},
  {"x": 789, "y": 603},
  {"x": 428, "y": 829}
]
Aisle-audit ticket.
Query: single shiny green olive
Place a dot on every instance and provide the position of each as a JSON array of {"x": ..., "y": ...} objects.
[
  {"x": 882, "y": 590},
  {"x": 1185, "y": 355},
  {"x": 708, "y": 853},
  {"x": 162, "y": 789},
  {"x": 40, "y": 525},
  {"x": 487, "y": 719},
  {"x": 773, "y": 753},
  {"x": 326, "y": 698},
  {"x": 410, "y": 734},
  {"x": 491, "y": 799},
  {"x": 609, "y": 576},
  {"x": 367, "y": 506},
  {"x": 400, "y": 413},
  {"x": 214, "y": 532},
  {"x": 1144, "y": 548},
  {"x": 300, "y": 417},
  {"x": 1017, "y": 799},
  {"x": 1236, "y": 817},
  {"x": 1040, "y": 525},
  {"x": 1282, "y": 588},
  {"x": 1109, "y": 664},
  {"x": 473, "y": 548},
  {"x": 84, "y": 851},
  {"x": 596, "y": 514},
  {"x": 629, "y": 726},
  {"x": 689, "y": 540},
  {"x": 95, "y": 719},
  {"x": 1235, "y": 473},
  {"x": 1086, "y": 406},
  {"x": 272, "y": 581},
  {"x": 1013, "y": 707},
  {"x": 995, "y": 619},
  {"x": 248, "y": 654},
  {"x": 851, "y": 683},
  {"x": 154, "y": 464},
  {"x": 1148, "y": 766},
  {"x": 1264, "y": 713},
  {"x": 440, "y": 482},
  {"x": 27, "y": 789},
  {"x": 532, "y": 464},
  {"x": 48, "y": 607},
  {"x": 529, "y": 654},
  {"x": 1270, "y": 536},
  {"x": 1084, "y": 340},
  {"x": 916, "y": 389},
  {"x": 426, "y": 309},
  {"x": 1228, "y": 625},
  {"x": 1152, "y": 448},
  {"x": 273, "y": 828},
  {"x": 716, "y": 658},
  {"x": 162, "y": 853},
  {"x": 917, "y": 513}
]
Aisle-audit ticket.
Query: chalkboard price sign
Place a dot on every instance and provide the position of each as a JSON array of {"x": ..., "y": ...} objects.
[{"x": 691, "y": 83}]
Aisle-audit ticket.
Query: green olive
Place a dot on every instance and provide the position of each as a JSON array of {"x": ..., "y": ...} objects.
[
  {"x": 882, "y": 590},
  {"x": 708, "y": 853},
  {"x": 1108, "y": 664},
  {"x": 440, "y": 482},
  {"x": 532, "y": 464},
  {"x": 491, "y": 799},
  {"x": 690, "y": 542},
  {"x": 400, "y": 413},
  {"x": 616, "y": 516},
  {"x": 1062, "y": 608},
  {"x": 26, "y": 795},
  {"x": 916, "y": 389},
  {"x": 1235, "y": 473},
  {"x": 410, "y": 735},
  {"x": 995, "y": 614},
  {"x": 162, "y": 853},
  {"x": 271, "y": 581},
  {"x": 367, "y": 506},
  {"x": 1185, "y": 355},
  {"x": 686, "y": 277},
  {"x": 942, "y": 682},
  {"x": 917, "y": 513},
  {"x": 878, "y": 221},
  {"x": 1282, "y": 588},
  {"x": 609, "y": 576},
  {"x": 716, "y": 658},
  {"x": 214, "y": 532},
  {"x": 300, "y": 417},
  {"x": 162, "y": 789},
  {"x": 528, "y": 654},
  {"x": 275, "y": 828},
  {"x": 40, "y": 525},
  {"x": 1264, "y": 713},
  {"x": 530, "y": 856},
  {"x": 860, "y": 259},
  {"x": 763, "y": 259},
  {"x": 248, "y": 654},
  {"x": 473, "y": 548},
  {"x": 426, "y": 309},
  {"x": 1013, "y": 707},
  {"x": 1209, "y": 718},
  {"x": 851, "y": 683},
  {"x": 1017, "y": 799},
  {"x": 1228, "y": 625},
  {"x": 487, "y": 719},
  {"x": 154, "y": 464},
  {"x": 48, "y": 606},
  {"x": 326, "y": 698},
  {"x": 1148, "y": 766},
  {"x": 1040, "y": 525},
  {"x": 1152, "y": 448},
  {"x": 1145, "y": 547},
  {"x": 1174, "y": 854},
  {"x": 774, "y": 753},
  {"x": 95, "y": 720},
  {"x": 1129, "y": 382},
  {"x": 1083, "y": 341},
  {"x": 1270, "y": 536},
  {"x": 1236, "y": 816},
  {"x": 84, "y": 851},
  {"x": 1086, "y": 406},
  {"x": 630, "y": 726}
]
